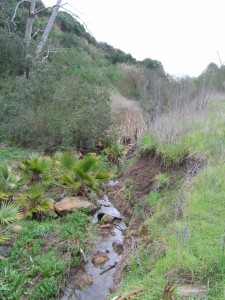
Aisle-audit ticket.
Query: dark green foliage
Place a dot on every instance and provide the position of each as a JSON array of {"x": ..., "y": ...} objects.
[
  {"x": 51, "y": 111},
  {"x": 152, "y": 64},
  {"x": 214, "y": 77},
  {"x": 11, "y": 55},
  {"x": 67, "y": 23},
  {"x": 116, "y": 55}
]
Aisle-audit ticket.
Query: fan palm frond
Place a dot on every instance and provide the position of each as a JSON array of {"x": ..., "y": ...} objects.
[
  {"x": 87, "y": 163},
  {"x": 35, "y": 191},
  {"x": 8, "y": 212}
]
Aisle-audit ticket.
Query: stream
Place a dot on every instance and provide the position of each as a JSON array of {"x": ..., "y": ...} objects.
[{"x": 99, "y": 267}]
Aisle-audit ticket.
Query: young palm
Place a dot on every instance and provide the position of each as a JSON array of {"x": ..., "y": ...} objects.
[
  {"x": 8, "y": 214},
  {"x": 33, "y": 204},
  {"x": 9, "y": 181},
  {"x": 37, "y": 170},
  {"x": 84, "y": 176}
]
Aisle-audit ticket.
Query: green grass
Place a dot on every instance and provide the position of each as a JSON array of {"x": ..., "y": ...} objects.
[
  {"x": 188, "y": 219},
  {"x": 41, "y": 256},
  {"x": 12, "y": 154}
]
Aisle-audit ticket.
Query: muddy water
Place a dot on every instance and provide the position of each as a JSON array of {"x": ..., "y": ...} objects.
[{"x": 102, "y": 275}]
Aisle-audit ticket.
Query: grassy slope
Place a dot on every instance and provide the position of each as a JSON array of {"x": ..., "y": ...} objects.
[
  {"x": 188, "y": 221},
  {"x": 42, "y": 257},
  {"x": 43, "y": 252}
]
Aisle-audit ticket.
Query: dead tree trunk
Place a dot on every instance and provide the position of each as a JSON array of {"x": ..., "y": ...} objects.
[
  {"x": 28, "y": 34},
  {"x": 47, "y": 29},
  {"x": 29, "y": 25}
]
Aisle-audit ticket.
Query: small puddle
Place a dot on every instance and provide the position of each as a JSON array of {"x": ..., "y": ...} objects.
[{"x": 106, "y": 253}]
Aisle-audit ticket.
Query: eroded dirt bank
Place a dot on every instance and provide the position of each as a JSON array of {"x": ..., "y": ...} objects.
[{"x": 141, "y": 178}]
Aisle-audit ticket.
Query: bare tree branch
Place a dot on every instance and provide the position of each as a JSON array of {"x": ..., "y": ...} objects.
[
  {"x": 36, "y": 32},
  {"x": 219, "y": 58},
  {"x": 47, "y": 54},
  {"x": 15, "y": 12}
]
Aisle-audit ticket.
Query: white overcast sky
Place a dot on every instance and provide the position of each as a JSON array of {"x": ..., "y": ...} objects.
[{"x": 185, "y": 35}]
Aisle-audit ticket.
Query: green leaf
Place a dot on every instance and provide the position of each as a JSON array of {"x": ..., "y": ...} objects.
[
  {"x": 68, "y": 160},
  {"x": 4, "y": 195},
  {"x": 77, "y": 185},
  {"x": 3, "y": 238},
  {"x": 66, "y": 179},
  {"x": 43, "y": 206},
  {"x": 5, "y": 171},
  {"x": 8, "y": 212},
  {"x": 87, "y": 163},
  {"x": 103, "y": 176},
  {"x": 82, "y": 175},
  {"x": 35, "y": 192}
]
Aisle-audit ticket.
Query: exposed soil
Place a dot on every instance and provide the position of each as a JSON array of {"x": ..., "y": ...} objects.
[{"x": 142, "y": 177}]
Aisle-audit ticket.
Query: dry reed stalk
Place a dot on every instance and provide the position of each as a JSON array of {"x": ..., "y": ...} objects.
[{"x": 128, "y": 127}]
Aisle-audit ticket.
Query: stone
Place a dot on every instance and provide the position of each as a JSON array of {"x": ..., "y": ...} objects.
[
  {"x": 73, "y": 203},
  {"x": 83, "y": 279},
  {"x": 106, "y": 226},
  {"x": 2, "y": 257},
  {"x": 118, "y": 248},
  {"x": 52, "y": 214},
  {"x": 100, "y": 258},
  {"x": 20, "y": 216},
  {"x": 16, "y": 228},
  {"x": 108, "y": 218},
  {"x": 51, "y": 204}
]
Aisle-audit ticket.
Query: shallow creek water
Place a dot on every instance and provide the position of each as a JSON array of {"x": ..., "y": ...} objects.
[{"x": 102, "y": 281}]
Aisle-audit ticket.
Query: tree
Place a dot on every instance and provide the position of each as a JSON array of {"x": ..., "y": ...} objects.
[
  {"x": 30, "y": 22},
  {"x": 32, "y": 12},
  {"x": 47, "y": 29}
]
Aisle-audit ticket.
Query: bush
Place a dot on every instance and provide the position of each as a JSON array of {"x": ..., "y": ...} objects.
[
  {"x": 12, "y": 57},
  {"x": 50, "y": 110}
]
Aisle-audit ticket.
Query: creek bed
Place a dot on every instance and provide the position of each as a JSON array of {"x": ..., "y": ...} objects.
[{"x": 100, "y": 265}]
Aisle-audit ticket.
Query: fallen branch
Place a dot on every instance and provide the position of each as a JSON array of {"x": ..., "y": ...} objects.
[
  {"x": 111, "y": 267},
  {"x": 118, "y": 227}
]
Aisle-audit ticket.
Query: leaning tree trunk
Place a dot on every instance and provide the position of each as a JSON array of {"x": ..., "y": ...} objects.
[
  {"x": 29, "y": 25},
  {"x": 28, "y": 35},
  {"x": 47, "y": 29}
]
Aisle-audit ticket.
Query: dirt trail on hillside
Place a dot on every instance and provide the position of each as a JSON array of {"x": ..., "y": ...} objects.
[{"x": 119, "y": 103}]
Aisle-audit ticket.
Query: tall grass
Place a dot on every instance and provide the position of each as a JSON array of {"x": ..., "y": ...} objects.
[
  {"x": 186, "y": 241},
  {"x": 128, "y": 126}
]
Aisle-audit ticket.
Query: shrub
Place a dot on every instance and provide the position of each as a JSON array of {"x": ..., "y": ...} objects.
[
  {"x": 128, "y": 83},
  {"x": 50, "y": 110}
]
